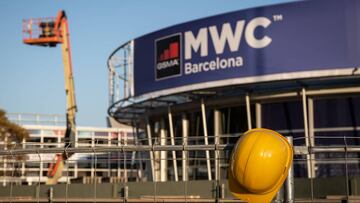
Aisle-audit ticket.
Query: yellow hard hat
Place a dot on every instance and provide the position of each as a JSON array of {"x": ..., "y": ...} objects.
[{"x": 259, "y": 165}]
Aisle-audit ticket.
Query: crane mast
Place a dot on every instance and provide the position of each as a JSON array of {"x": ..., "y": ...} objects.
[{"x": 49, "y": 32}]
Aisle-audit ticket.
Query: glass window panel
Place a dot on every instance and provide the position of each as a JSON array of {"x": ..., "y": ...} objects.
[
  {"x": 238, "y": 119},
  {"x": 337, "y": 138},
  {"x": 334, "y": 164},
  {"x": 337, "y": 112},
  {"x": 300, "y": 166},
  {"x": 97, "y": 133},
  {"x": 286, "y": 115},
  {"x": 101, "y": 141},
  {"x": 35, "y": 132},
  {"x": 85, "y": 133},
  {"x": 48, "y": 132}
]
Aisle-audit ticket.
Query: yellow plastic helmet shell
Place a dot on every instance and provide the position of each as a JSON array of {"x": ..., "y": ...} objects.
[{"x": 259, "y": 165}]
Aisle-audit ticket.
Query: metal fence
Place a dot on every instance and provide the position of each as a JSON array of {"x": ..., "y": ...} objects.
[{"x": 142, "y": 162}]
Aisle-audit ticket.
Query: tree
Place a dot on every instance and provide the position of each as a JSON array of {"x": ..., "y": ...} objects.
[
  {"x": 11, "y": 135},
  {"x": 11, "y": 132}
]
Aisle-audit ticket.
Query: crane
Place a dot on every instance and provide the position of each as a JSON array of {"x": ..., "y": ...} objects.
[{"x": 49, "y": 32}]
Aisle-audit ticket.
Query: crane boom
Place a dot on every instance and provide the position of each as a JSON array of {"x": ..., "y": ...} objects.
[
  {"x": 49, "y": 32},
  {"x": 71, "y": 108}
]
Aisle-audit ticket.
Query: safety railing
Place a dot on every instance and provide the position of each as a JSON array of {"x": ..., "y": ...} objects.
[
  {"x": 143, "y": 172},
  {"x": 37, "y": 119},
  {"x": 38, "y": 27}
]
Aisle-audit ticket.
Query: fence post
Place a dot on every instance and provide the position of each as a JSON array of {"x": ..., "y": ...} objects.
[{"x": 289, "y": 183}]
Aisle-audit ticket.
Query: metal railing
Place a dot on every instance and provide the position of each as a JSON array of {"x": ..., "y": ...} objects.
[
  {"x": 135, "y": 161},
  {"x": 37, "y": 119}
]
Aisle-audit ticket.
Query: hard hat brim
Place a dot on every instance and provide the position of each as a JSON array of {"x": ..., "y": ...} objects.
[{"x": 240, "y": 192}]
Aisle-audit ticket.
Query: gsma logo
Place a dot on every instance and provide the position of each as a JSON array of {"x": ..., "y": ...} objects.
[{"x": 168, "y": 57}]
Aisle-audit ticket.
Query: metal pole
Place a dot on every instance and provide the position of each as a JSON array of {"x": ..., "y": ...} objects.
[
  {"x": 279, "y": 198},
  {"x": 307, "y": 142},
  {"x": 185, "y": 135},
  {"x": 41, "y": 168},
  {"x": 76, "y": 145},
  {"x": 310, "y": 106},
  {"x": 92, "y": 157},
  {"x": 125, "y": 159},
  {"x": 248, "y": 110},
  {"x": 163, "y": 154},
  {"x": 140, "y": 161},
  {"x": 118, "y": 155},
  {"x": 156, "y": 161},
  {"x": 196, "y": 161},
  {"x": 206, "y": 139},
  {"x": 299, "y": 150},
  {"x": 172, "y": 139},
  {"x": 108, "y": 155},
  {"x": 289, "y": 184},
  {"x": 130, "y": 80},
  {"x": 145, "y": 148},
  {"x": 124, "y": 76},
  {"x": 111, "y": 82},
  {"x": 151, "y": 153},
  {"x": 217, "y": 133},
  {"x": 258, "y": 115},
  {"x": 117, "y": 87},
  {"x": 306, "y": 131},
  {"x": 346, "y": 170},
  {"x": 228, "y": 129},
  {"x": 133, "y": 154}
]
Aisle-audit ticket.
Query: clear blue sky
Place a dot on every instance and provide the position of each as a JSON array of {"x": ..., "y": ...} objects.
[{"x": 32, "y": 77}]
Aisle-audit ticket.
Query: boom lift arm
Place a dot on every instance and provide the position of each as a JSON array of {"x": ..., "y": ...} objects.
[{"x": 49, "y": 32}]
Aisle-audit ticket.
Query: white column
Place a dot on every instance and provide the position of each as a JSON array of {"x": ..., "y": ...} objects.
[
  {"x": 172, "y": 139},
  {"x": 248, "y": 111},
  {"x": 151, "y": 153},
  {"x": 185, "y": 135},
  {"x": 306, "y": 131},
  {"x": 157, "y": 160},
  {"x": 258, "y": 115},
  {"x": 163, "y": 154},
  {"x": 139, "y": 155},
  {"x": 311, "y": 133},
  {"x": 217, "y": 133},
  {"x": 208, "y": 163}
]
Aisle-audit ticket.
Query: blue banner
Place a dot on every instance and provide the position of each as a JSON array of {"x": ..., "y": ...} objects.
[{"x": 247, "y": 46}]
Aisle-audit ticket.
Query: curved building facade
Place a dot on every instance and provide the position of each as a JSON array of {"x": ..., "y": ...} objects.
[{"x": 290, "y": 67}]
